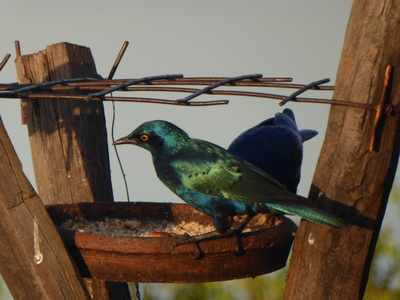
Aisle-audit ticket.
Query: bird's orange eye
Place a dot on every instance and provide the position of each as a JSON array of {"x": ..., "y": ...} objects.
[{"x": 144, "y": 137}]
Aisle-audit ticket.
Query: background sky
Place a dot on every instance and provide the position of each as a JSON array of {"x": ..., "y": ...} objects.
[{"x": 299, "y": 39}]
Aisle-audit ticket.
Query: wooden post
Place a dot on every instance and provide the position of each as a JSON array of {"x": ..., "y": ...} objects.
[
  {"x": 33, "y": 260},
  {"x": 68, "y": 138},
  {"x": 334, "y": 264}
]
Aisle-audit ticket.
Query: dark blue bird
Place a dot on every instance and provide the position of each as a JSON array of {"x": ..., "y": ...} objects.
[
  {"x": 276, "y": 147},
  {"x": 214, "y": 180}
]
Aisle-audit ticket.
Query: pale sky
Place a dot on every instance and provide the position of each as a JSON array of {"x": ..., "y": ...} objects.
[{"x": 299, "y": 39}]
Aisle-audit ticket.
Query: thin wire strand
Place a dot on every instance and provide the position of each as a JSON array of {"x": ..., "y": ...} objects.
[
  {"x": 110, "y": 76},
  {"x": 117, "y": 154}
]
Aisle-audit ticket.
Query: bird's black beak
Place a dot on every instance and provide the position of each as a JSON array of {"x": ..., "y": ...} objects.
[{"x": 126, "y": 140}]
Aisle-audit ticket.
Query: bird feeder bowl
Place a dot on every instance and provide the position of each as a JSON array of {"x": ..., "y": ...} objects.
[{"x": 155, "y": 259}]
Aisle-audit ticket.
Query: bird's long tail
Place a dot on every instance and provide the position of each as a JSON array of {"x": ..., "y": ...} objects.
[{"x": 312, "y": 214}]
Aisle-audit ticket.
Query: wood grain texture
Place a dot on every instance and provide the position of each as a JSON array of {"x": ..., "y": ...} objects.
[
  {"x": 68, "y": 139},
  {"x": 350, "y": 180},
  {"x": 33, "y": 260}
]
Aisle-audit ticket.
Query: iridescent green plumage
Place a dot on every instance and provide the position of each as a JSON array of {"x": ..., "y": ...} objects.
[{"x": 215, "y": 181}]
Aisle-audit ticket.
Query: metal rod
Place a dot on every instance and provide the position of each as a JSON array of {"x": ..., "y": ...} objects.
[
  {"x": 336, "y": 102},
  {"x": 135, "y": 81},
  {"x": 118, "y": 60},
  {"x": 163, "y": 89},
  {"x": 4, "y": 61},
  {"x": 103, "y": 84},
  {"x": 71, "y": 85},
  {"x": 293, "y": 96},
  {"x": 380, "y": 107},
  {"x": 264, "y": 82},
  {"x": 125, "y": 99},
  {"x": 268, "y": 82},
  {"x": 17, "y": 48},
  {"x": 31, "y": 87},
  {"x": 231, "y": 81},
  {"x": 155, "y": 87},
  {"x": 233, "y": 93}
]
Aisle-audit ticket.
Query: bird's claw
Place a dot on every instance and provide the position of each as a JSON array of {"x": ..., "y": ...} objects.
[
  {"x": 236, "y": 233},
  {"x": 190, "y": 240},
  {"x": 239, "y": 246},
  {"x": 199, "y": 252}
]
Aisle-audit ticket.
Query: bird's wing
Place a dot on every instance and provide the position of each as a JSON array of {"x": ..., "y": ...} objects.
[{"x": 211, "y": 170}]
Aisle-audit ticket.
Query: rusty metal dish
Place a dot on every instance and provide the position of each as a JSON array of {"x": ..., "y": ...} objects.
[{"x": 153, "y": 259}]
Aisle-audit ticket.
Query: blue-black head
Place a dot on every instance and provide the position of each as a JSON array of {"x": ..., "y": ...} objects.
[{"x": 155, "y": 136}]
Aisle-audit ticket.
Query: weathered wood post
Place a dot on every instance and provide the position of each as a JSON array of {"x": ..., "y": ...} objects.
[
  {"x": 33, "y": 260},
  {"x": 68, "y": 138},
  {"x": 334, "y": 264}
]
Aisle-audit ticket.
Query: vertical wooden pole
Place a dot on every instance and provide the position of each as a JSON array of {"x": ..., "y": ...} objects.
[
  {"x": 68, "y": 138},
  {"x": 33, "y": 260},
  {"x": 350, "y": 180}
]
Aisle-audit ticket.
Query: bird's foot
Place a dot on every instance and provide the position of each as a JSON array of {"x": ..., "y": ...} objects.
[
  {"x": 195, "y": 242},
  {"x": 214, "y": 235},
  {"x": 239, "y": 245}
]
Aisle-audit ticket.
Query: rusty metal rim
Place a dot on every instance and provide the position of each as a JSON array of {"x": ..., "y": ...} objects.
[
  {"x": 152, "y": 259},
  {"x": 259, "y": 238}
]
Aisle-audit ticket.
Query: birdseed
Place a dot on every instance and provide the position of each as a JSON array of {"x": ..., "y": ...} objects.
[{"x": 137, "y": 228}]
